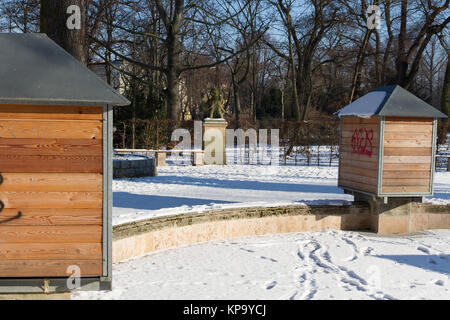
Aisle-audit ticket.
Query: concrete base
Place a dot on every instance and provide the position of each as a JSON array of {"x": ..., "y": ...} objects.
[
  {"x": 161, "y": 159},
  {"x": 198, "y": 159},
  {"x": 36, "y": 296},
  {"x": 394, "y": 215}
]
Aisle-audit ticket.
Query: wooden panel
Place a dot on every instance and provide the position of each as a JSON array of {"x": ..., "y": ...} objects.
[
  {"x": 92, "y": 182},
  {"x": 51, "y": 217},
  {"x": 407, "y": 159},
  {"x": 408, "y": 135},
  {"x": 352, "y": 127},
  {"x": 50, "y": 112},
  {"x": 75, "y": 200},
  {"x": 80, "y": 164},
  {"x": 372, "y": 173},
  {"x": 348, "y": 134},
  {"x": 407, "y": 155},
  {"x": 407, "y": 152},
  {"x": 356, "y": 120},
  {"x": 400, "y": 120},
  {"x": 359, "y": 164},
  {"x": 51, "y": 234},
  {"x": 406, "y": 189},
  {"x": 50, "y": 251},
  {"x": 51, "y": 160},
  {"x": 358, "y": 168},
  {"x": 52, "y": 147},
  {"x": 413, "y": 143},
  {"x": 407, "y": 167},
  {"x": 359, "y": 178},
  {"x": 48, "y": 268},
  {"x": 345, "y": 147},
  {"x": 406, "y": 174},
  {"x": 394, "y": 127},
  {"x": 48, "y": 129},
  {"x": 357, "y": 185},
  {"x": 358, "y": 157},
  {"x": 406, "y": 182}
]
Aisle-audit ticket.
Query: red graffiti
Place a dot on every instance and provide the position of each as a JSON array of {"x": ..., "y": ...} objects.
[{"x": 362, "y": 141}]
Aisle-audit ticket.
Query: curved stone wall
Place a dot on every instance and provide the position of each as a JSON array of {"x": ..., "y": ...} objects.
[{"x": 137, "y": 238}]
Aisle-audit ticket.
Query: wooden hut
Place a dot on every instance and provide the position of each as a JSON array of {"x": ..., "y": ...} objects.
[
  {"x": 55, "y": 168},
  {"x": 388, "y": 144}
]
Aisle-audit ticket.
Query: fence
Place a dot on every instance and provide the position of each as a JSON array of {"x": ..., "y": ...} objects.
[{"x": 315, "y": 142}]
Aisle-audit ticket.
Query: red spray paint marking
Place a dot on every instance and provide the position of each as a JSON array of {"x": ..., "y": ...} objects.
[{"x": 362, "y": 142}]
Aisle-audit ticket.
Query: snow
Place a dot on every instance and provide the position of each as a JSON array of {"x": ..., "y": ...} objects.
[
  {"x": 314, "y": 265},
  {"x": 188, "y": 189},
  {"x": 364, "y": 107},
  {"x": 441, "y": 189},
  {"x": 128, "y": 157}
]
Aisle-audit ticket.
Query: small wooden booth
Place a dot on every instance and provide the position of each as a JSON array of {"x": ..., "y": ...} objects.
[
  {"x": 55, "y": 169},
  {"x": 388, "y": 145}
]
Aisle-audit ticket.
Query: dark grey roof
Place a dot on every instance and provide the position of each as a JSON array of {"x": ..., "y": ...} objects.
[
  {"x": 390, "y": 101},
  {"x": 35, "y": 70}
]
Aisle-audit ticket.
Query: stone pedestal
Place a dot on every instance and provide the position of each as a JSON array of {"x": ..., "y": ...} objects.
[
  {"x": 214, "y": 141},
  {"x": 160, "y": 159}
]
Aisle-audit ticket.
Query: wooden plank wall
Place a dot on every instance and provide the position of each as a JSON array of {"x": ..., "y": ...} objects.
[
  {"x": 407, "y": 155},
  {"x": 51, "y": 160},
  {"x": 358, "y": 166}
]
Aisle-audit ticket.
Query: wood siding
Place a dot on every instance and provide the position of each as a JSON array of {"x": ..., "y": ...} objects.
[
  {"x": 51, "y": 161},
  {"x": 359, "y": 153},
  {"x": 407, "y": 157}
]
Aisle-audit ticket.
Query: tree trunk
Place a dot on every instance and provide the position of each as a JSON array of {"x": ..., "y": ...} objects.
[
  {"x": 173, "y": 80},
  {"x": 359, "y": 65},
  {"x": 445, "y": 104},
  {"x": 237, "y": 104},
  {"x": 294, "y": 80},
  {"x": 53, "y": 22},
  {"x": 402, "y": 63}
]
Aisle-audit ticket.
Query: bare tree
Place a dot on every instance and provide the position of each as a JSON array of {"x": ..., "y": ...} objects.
[
  {"x": 411, "y": 45},
  {"x": 53, "y": 22}
]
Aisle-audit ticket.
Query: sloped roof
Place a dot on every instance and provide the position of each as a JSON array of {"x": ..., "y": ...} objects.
[
  {"x": 35, "y": 70},
  {"x": 390, "y": 101}
]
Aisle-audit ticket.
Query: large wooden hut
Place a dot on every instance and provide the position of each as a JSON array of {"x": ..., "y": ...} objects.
[
  {"x": 55, "y": 168},
  {"x": 388, "y": 144}
]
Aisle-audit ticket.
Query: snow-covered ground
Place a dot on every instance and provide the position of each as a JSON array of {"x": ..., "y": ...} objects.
[
  {"x": 319, "y": 265},
  {"x": 184, "y": 189}
]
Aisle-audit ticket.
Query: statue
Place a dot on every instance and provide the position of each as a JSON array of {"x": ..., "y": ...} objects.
[{"x": 213, "y": 104}]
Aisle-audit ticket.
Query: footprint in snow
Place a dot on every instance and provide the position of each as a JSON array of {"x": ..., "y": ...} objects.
[
  {"x": 271, "y": 285},
  {"x": 423, "y": 249},
  {"x": 438, "y": 282},
  {"x": 271, "y": 259},
  {"x": 367, "y": 251}
]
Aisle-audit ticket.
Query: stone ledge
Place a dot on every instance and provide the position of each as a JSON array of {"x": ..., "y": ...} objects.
[
  {"x": 141, "y": 237},
  {"x": 134, "y": 168},
  {"x": 143, "y": 226}
]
